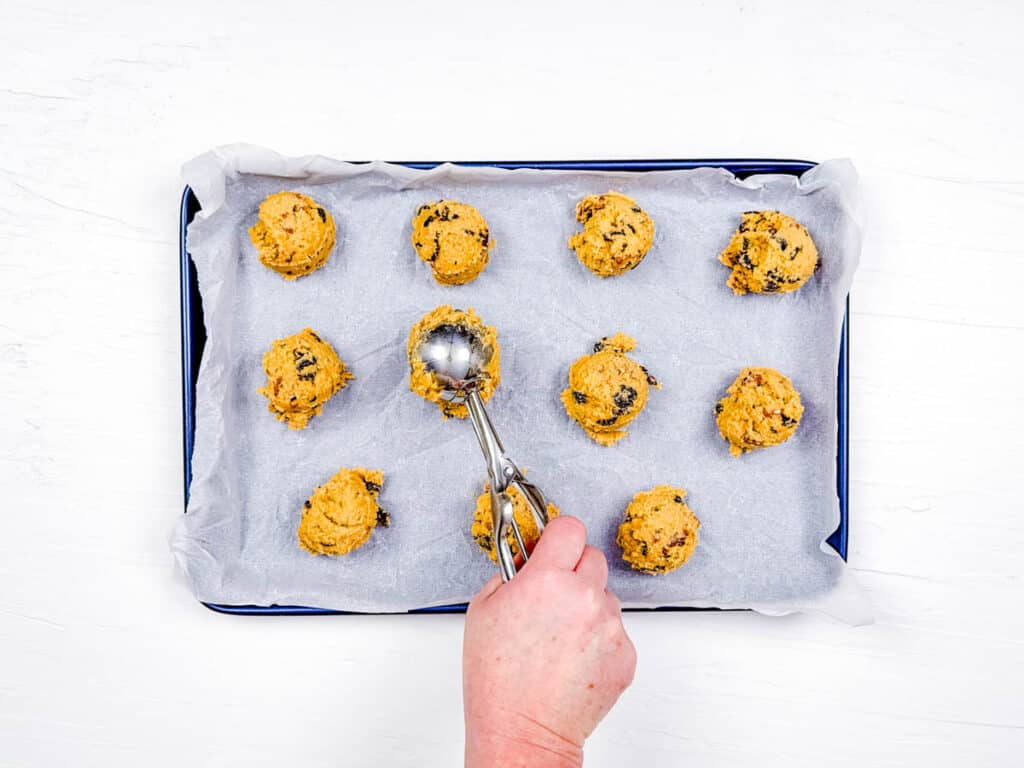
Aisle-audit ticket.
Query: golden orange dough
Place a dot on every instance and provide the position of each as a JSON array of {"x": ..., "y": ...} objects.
[
  {"x": 425, "y": 384},
  {"x": 616, "y": 235},
  {"x": 303, "y": 372},
  {"x": 342, "y": 513},
  {"x": 294, "y": 234},
  {"x": 483, "y": 522},
  {"x": 660, "y": 532},
  {"x": 453, "y": 239},
  {"x": 769, "y": 253},
  {"x": 607, "y": 389},
  {"x": 760, "y": 409}
]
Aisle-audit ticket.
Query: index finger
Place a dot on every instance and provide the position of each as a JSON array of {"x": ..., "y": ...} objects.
[
  {"x": 560, "y": 545},
  {"x": 593, "y": 566}
]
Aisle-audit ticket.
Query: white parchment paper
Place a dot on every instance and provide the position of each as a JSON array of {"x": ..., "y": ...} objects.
[{"x": 764, "y": 516}]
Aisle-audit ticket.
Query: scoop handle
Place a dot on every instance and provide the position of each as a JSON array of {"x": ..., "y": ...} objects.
[
  {"x": 500, "y": 470},
  {"x": 503, "y": 472}
]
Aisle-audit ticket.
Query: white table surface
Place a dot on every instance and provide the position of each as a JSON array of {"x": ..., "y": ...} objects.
[{"x": 105, "y": 657}]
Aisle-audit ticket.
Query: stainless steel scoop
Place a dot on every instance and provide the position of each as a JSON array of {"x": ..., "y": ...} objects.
[{"x": 456, "y": 356}]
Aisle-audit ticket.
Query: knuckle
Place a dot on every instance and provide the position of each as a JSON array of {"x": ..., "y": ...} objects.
[
  {"x": 629, "y": 660},
  {"x": 631, "y": 657},
  {"x": 614, "y": 604},
  {"x": 623, "y": 675}
]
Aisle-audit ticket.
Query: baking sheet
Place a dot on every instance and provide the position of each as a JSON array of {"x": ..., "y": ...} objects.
[{"x": 764, "y": 516}]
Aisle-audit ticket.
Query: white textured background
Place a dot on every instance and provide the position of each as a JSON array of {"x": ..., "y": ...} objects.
[{"x": 105, "y": 659}]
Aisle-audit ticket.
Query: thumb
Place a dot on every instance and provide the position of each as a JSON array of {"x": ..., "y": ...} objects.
[{"x": 560, "y": 545}]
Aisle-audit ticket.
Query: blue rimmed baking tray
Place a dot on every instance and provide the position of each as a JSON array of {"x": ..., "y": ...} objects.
[{"x": 193, "y": 339}]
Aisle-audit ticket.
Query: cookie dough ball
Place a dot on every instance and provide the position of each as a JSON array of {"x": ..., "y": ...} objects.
[
  {"x": 607, "y": 389},
  {"x": 294, "y": 234},
  {"x": 616, "y": 235},
  {"x": 660, "y": 532},
  {"x": 769, "y": 253},
  {"x": 760, "y": 409},
  {"x": 453, "y": 239},
  {"x": 303, "y": 372},
  {"x": 341, "y": 514},
  {"x": 483, "y": 522},
  {"x": 423, "y": 382}
]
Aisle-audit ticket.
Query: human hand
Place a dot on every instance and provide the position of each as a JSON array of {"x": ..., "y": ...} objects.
[{"x": 545, "y": 656}]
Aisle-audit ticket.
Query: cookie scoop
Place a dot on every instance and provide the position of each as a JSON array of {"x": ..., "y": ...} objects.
[{"x": 456, "y": 358}]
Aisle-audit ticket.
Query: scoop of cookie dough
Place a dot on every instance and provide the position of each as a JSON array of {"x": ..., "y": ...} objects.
[
  {"x": 616, "y": 235},
  {"x": 453, "y": 239},
  {"x": 769, "y": 253},
  {"x": 342, "y": 513},
  {"x": 425, "y": 384},
  {"x": 483, "y": 522},
  {"x": 760, "y": 409},
  {"x": 660, "y": 532},
  {"x": 294, "y": 234},
  {"x": 607, "y": 389},
  {"x": 303, "y": 372}
]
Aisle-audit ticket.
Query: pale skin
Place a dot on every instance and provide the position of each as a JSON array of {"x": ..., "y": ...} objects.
[{"x": 545, "y": 656}]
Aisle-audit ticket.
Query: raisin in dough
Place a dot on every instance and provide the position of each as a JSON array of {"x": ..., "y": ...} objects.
[
  {"x": 342, "y": 513},
  {"x": 303, "y": 372},
  {"x": 423, "y": 382},
  {"x": 293, "y": 234},
  {"x": 760, "y": 409},
  {"x": 769, "y": 253},
  {"x": 453, "y": 239},
  {"x": 607, "y": 389},
  {"x": 660, "y": 532},
  {"x": 483, "y": 522},
  {"x": 616, "y": 234}
]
